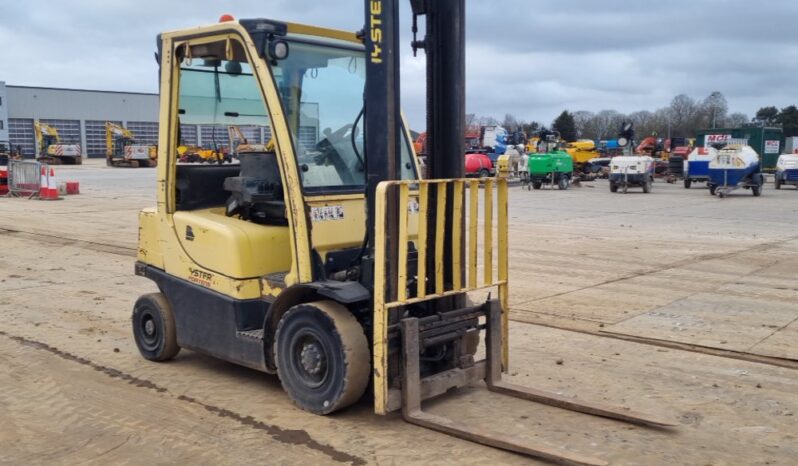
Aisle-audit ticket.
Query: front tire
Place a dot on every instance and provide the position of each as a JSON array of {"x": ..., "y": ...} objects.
[
  {"x": 613, "y": 187},
  {"x": 687, "y": 183},
  {"x": 778, "y": 181},
  {"x": 154, "y": 328},
  {"x": 322, "y": 356},
  {"x": 563, "y": 183},
  {"x": 712, "y": 189},
  {"x": 647, "y": 187},
  {"x": 536, "y": 184},
  {"x": 484, "y": 173}
]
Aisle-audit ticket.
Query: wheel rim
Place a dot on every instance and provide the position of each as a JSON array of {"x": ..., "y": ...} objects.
[
  {"x": 149, "y": 331},
  {"x": 310, "y": 358}
]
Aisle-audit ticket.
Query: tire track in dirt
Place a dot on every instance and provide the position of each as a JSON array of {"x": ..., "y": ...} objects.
[
  {"x": 117, "y": 249},
  {"x": 297, "y": 437},
  {"x": 668, "y": 266}
]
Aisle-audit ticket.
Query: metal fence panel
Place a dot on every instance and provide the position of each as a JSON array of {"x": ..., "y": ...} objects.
[{"x": 24, "y": 178}]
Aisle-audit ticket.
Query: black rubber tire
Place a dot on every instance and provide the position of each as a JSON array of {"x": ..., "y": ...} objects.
[
  {"x": 647, "y": 186},
  {"x": 712, "y": 189},
  {"x": 687, "y": 183},
  {"x": 484, "y": 173},
  {"x": 778, "y": 182},
  {"x": 154, "y": 328},
  {"x": 613, "y": 187},
  {"x": 563, "y": 183},
  {"x": 536, "y": 184},
  {"x": 756, "y": 190},
  {"x": 337, "y": 348}
]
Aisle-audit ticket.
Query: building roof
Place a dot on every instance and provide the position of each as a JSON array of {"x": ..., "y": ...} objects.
[{"x": 11, "y": 86}]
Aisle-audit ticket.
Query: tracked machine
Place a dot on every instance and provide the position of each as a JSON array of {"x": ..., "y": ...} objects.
[
  {"x": 51, "y": 150},
  {"x": 121, "y": 149},
  {"x": 324, "y": 257}
]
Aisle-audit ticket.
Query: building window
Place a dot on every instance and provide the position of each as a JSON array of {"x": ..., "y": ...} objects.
[
  {"x": 2, "y": 124},
  {"x": 1, "y": 101}
]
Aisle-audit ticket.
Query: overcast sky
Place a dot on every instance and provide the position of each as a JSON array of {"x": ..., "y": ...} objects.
[{"x": 531, "y": 58}]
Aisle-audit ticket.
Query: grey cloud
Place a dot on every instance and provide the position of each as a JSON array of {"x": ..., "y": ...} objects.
[{"x": 529, "y": 58}]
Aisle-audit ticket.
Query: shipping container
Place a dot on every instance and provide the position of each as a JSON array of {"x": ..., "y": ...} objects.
[{"x": 768, "y": 142}]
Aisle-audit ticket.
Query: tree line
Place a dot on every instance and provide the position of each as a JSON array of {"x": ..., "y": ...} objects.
[{"x": 681, "y": 118}]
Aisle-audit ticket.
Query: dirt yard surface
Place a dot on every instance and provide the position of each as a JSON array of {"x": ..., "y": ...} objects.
[{"x": 674, "y": 266}]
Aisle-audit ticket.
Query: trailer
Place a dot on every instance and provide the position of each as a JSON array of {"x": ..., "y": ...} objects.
[
  {"x": 552, "y": 168},
  {"x": 631, "y": 171},
  {"x": 787, "y": 170},
  {"x": 736, "y": 165},
  {"x": 696, "y": 167}
]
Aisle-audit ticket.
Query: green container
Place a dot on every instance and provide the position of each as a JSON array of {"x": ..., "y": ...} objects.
[
  {"x": 550, "y": 162},
  {"x": 766, "y": 141}
]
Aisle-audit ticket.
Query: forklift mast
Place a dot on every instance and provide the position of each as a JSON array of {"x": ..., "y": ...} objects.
[{"x": 444, "y": 44}]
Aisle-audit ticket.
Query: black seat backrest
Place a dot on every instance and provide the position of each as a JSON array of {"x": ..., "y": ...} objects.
[{"x": 202, "y": 186}]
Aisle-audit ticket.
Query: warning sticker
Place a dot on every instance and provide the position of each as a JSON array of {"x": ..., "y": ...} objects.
[{"x": 326, "y": 213}]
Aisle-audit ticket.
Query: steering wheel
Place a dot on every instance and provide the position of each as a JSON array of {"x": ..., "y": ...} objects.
[{"x": 332, "y": 146}]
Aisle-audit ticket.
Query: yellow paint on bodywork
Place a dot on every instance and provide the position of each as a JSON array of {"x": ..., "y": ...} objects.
[{"x": 233, "y": 247}]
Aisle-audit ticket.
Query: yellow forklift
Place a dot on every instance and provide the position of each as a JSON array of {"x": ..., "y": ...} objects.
[{"x": 323, "y": 256}]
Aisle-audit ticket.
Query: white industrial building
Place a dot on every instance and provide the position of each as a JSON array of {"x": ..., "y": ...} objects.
[{"x": 79, "y": 115}]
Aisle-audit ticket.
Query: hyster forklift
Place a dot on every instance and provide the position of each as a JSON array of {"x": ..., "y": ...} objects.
[{"x": 323, "y": 256}]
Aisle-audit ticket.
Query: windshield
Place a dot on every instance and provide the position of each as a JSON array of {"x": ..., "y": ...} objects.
[
  {"x": 321, "y": 87},
  {"x": 219, "y": 98}
]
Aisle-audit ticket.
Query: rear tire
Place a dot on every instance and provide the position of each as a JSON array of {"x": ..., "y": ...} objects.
[
  {"x": 322, "y": 356},
  {"x": 536, "y": 184},
  {"x": 483, "y": 173},
  {"x": 647, "y": 187},
  {"x": 756, "y": 190},
  {"x": 778, "y": 182},
  {"x": 154, "y": 328},
  {"x": 613, "y": 187},
  {"x": 563, "y": 183},
  {"x": 712, "y": 189},
  {"x": 687, "y": 183}
]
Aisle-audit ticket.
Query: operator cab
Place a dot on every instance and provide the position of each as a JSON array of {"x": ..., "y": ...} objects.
[{"x": 219, "y": 183}]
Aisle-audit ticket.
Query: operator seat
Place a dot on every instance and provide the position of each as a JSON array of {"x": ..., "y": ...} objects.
[{"x": 257, "y": 193}]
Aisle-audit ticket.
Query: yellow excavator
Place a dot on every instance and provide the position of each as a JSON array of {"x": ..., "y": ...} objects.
[
  {"x": 325, "y": 258},
  {"x": 51, "y": 150},
  {"x": 121, "y": 149}
]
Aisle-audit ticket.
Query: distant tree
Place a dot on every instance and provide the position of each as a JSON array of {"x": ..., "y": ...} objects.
[
  {"x": 788, "y": 118},
  {"x": 510, "y": 122},
  {"x": 566, "y": 126},
  {"x": 530, "y": 128},
  {"x": 736, "y": 120},
  {"x": 715, "y": 107},
  {"x": 470, "y": 119},
  {"x": 766, "y": 115},
  {"x": 644, "y": 122},
  {"x": 486, "y": 121},
  {"x": 682, "y": 115},
  {"x": 582, "y": 119}
]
